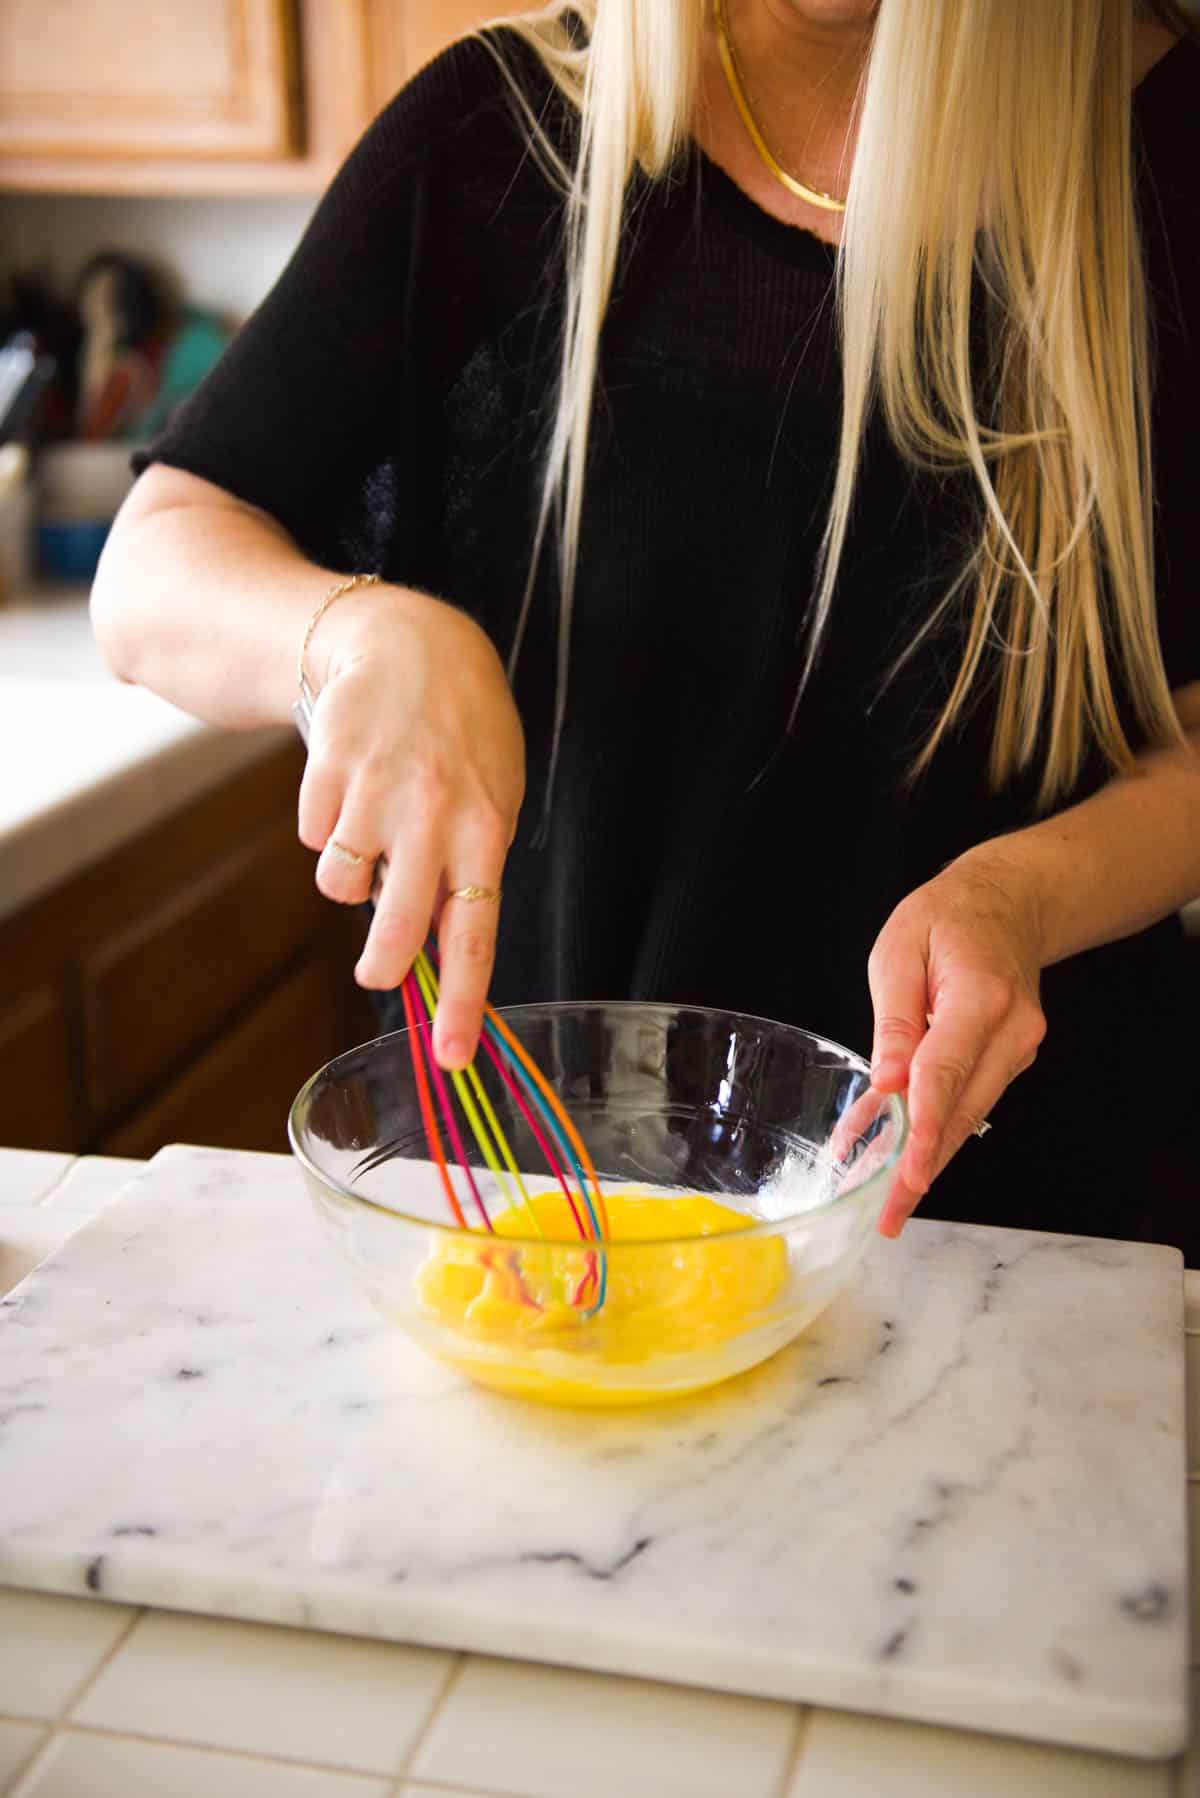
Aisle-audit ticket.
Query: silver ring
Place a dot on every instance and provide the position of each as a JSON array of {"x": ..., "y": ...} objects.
[{"x": 983, "y": 1128}]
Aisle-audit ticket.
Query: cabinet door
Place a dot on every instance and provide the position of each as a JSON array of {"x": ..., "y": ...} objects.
[
  {"x": 39, "y": 1090},
  {"x": 237, "y": 1095},
  {"x": 174, "y": 77},
  {"x": 406, "y": 37}
]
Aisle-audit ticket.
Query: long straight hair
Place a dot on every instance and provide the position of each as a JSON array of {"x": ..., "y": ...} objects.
[{"x": 994, "y": 148}]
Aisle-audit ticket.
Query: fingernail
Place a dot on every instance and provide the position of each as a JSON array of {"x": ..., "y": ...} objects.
[{"x": 455, "y": 1053}]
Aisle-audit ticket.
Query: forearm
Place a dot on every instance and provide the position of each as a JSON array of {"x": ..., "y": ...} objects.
[
  {"x": 1114, "y": 864},
  {"x": 205, "y": 602}
]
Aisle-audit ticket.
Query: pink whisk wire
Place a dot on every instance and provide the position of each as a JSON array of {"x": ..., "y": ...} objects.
[{"x": 420, "y": 994}]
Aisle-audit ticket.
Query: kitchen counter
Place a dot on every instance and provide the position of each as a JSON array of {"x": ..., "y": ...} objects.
[
  {"x": 86, "y": 762},
  {"x": 99, "y": 1698}
]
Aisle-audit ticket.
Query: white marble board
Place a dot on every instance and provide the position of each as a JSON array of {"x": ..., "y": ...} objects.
[{"x": 959, "y": 1499}]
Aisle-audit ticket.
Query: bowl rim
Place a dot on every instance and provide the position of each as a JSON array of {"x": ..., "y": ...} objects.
[{"x": 759, "y": 1227}]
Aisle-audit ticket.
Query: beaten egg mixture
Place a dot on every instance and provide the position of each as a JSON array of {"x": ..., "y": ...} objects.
[{"x": 527, "y": 1322}]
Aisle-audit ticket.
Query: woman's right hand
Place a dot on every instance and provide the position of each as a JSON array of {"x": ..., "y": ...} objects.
[{"x": 415, "y": 753}]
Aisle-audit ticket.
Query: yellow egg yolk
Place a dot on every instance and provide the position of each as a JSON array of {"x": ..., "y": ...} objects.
[{"x": 680, "y": 1286}]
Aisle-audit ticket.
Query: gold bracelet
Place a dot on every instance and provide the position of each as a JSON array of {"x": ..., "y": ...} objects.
[{"x": 346, "y": 586}]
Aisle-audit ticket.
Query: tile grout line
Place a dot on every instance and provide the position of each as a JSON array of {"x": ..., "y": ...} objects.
[
  {"x": 34, "y": 1768},
  {"x": 404, "y": 1771},
  {"x": 39, "y": 1749},
  {"x": 795, "y": 1748},
  {"x": 188, "y": 1746},
  {"x": 73, "y": 1696},
  {"x": 455, "y": 1791},
  {"x": 88, "y": 1679}
]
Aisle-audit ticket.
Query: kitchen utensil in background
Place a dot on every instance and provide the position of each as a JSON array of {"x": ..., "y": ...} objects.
[
  {"x": 125, "y": 314},
  {"x": 25, "y": 373}
]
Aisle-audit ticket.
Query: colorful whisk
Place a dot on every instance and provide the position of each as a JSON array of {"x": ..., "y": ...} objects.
[
  {"x": 535, "y": 1100},
  {"x": 531, "y": 1093}
]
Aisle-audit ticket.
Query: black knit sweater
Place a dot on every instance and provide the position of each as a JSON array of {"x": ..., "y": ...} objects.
[{"x": 387, "y": 404}]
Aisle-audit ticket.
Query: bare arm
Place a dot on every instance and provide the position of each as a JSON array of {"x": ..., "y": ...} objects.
[
  {"x": 955, "y": 971},
  {"x": 1122, "y": 859},
  {"x": 416, "y": 750},
  {"x": 205, "y": 600}
]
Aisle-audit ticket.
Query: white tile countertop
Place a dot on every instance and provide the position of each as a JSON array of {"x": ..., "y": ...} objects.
[
  {"x": 104, "y": 1700},
  {"x": 87, "y": 762}
]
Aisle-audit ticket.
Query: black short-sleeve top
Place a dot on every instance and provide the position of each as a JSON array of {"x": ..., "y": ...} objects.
[{"x": 388, "y": 403}]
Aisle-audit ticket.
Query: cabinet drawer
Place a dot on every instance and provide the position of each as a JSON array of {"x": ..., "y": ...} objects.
[
  {"x": 155, "y": 991},
  {"x": 39, "y": 1106},
  {"x": 237, "y": 1094}
]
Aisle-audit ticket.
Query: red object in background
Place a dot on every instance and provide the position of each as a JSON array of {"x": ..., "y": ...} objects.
[{"x": 107, "y": 408}]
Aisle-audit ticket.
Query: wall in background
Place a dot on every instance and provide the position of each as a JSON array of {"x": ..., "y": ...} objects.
[{"x": 225, "y": 253}]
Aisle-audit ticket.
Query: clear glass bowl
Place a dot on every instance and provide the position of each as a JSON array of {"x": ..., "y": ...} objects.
[{"x": 780, "y": 1127}]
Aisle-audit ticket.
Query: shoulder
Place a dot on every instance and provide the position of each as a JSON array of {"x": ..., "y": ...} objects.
[
  {"x": 1151, "y": 42},
  {"x": 1166, "y": 116},
  {"x": 1166, "y": 112},
  {"x": 468, "y": 103}
]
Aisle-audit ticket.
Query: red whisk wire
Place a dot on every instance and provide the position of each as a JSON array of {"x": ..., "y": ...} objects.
[
  {"x": 428, "y": 1116},
  {"x": 443, "y": 1094}
]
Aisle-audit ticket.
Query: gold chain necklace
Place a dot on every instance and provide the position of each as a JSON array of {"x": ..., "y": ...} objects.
[{"x": 733, "y": 76}]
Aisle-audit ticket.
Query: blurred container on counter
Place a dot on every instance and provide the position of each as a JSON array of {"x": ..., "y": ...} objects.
[
  {"x": 84, "y": 381},
  {"x": 80, "y": 487},
  {"x": 16, "y": 521}
]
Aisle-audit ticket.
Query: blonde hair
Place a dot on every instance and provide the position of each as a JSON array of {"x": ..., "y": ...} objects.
[{"x": 994, "y": 141}]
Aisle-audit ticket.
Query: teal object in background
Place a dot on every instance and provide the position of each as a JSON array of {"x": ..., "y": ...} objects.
[{"x": 198, "y": 341}]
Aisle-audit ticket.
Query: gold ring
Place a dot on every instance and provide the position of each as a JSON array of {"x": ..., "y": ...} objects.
[
  {"x": 346, "y": 855},
  {"x": 473, "y": 893}
]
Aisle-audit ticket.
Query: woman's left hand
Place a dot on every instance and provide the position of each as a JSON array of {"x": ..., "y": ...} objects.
[{"x": 954, "y": 983}]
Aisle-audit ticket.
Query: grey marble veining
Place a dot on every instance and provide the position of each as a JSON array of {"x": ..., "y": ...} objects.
[{"x": 960, "y": 1498}]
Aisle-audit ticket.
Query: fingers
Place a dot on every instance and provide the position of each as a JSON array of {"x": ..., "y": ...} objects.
[
  {"x": 982, "y": 1092},
  {"x": 856, "y": 1119},
  {"x": 976, "y": 1046},
  {"x": 898, "y": 1207},
  {"x": 403, "y": 911},
  {"x": 898, "y": 979},
  {"x": 416, "y": 775},
  {"x": 467, "y": 940},
  {"x": 321, "y": 793},
  {"x": 954, "y": 1046},
  {"x": 983, "y": 1031},
  {"x": 345, "y": 872}
]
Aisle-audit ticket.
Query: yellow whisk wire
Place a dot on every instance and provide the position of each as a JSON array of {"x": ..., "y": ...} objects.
[{"x": 469, "y": 1088}]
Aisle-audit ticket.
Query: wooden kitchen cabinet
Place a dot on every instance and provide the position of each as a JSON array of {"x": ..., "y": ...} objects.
[
  {"x": 183, "y": 988},
  {"x": 204, "y": 96},
  {"x": 101, "y": 78}
]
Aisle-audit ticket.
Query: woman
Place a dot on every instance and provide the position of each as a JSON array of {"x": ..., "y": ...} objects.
[{"x": 842, "y": 555}]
